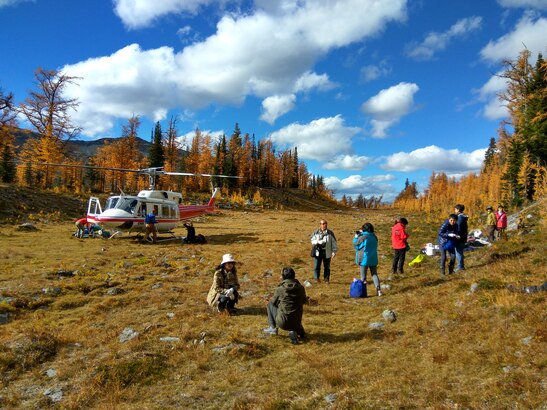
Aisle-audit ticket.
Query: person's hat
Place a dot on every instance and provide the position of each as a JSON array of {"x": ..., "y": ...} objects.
[
  {"x": 227, "y": 258},
  {"x": 489, "y": 207}
]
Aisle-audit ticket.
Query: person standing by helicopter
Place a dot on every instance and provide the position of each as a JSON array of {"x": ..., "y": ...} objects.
[{"x": 150, "y": 221}]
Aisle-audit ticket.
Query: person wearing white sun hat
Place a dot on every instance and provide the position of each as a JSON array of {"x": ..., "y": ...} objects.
[{"x": 223, "y": 294}]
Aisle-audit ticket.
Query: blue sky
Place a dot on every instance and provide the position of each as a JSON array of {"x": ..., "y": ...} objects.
[{"x": 370, "y": 91}]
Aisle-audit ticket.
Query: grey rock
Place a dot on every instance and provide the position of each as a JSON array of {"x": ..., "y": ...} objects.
[
  {"x": 137, "y": 278},
  {"x": 51, "y": 372},
  {"x": 54, "y": 394},
  {"x": 376, "y": 326},
  {"x": 170, "y": 315},
  {"x": 267, "y": 273},
  {"x": 474, "y": 287},
  {"x": 6, "y": 299},
  {"x": 127, "y": 334},
  {"x": 4, "y": 318},
  {"x": 157, "y": 285},
  {"x": 114, "y": 291},
  {"x": 54, "y": 290},
  {"x": 27, "y": 227},
  {"x": 170, "y": 339},
  {"x": 526, "y": 340},
  {"x": 389, "y": 315},
  {"x": 330, "y": 398},
  {"x": 307, "y": 283},
  {"x": 229, "y": 347},
  {"x": 385, "y": 286}
]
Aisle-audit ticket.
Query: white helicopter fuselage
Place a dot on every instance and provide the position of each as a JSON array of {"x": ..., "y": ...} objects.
[{"x": 128, "y": 212}]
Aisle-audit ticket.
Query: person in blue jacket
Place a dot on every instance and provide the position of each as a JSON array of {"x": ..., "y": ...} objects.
[
  {"x": 150, "y": 223},
  {"x": 365, "y": 243},
  {"x": 447, "y": 239}
]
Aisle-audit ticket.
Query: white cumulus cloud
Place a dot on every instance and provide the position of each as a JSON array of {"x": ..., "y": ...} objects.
[
  {"x": 275, "y": 106},
  {"x": 348, "y": 162},
  {"x": 525, "y": 4},
  {"x": 435, "y": 42},
  {"x": 388, "y": 106},
  {"x": 321, "y": 139},
  {"x": 530, "y": 32},
  {"x": 263, "y": 53},
  {"x": 435, "y": 159},
  {"x": 367, "y": 186}
]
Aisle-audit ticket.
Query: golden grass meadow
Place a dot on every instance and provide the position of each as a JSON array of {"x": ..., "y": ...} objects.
[{"x": 467, "y": 342}]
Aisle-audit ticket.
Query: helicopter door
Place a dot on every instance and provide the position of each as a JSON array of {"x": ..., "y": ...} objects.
[{"x": 94, "y": 207}]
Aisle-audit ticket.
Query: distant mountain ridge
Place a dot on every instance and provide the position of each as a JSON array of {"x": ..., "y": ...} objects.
[{"x": 80, "y": 149}]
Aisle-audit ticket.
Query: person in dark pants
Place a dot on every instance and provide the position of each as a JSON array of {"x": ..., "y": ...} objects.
[
  {"x": 490, "y": 223},
  {"x": 223, "y": 294},
  {"x": 462, "y": 233},
  {"x": 286, "y": 307},
  {"x": 150, "y": 222},
  {"x": 447, "y": 237},
  {"x": 399, "y": 244},
  {"x": 324, "y": 247}
]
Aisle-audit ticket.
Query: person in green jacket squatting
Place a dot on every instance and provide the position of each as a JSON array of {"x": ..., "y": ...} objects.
[{"x": 286, "y": 307}]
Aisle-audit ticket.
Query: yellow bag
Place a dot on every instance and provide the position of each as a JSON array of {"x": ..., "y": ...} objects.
[{"x": 417, "y": 260}]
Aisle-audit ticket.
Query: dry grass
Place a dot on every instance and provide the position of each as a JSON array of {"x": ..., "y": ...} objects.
[{"x": 449, "y": 348}]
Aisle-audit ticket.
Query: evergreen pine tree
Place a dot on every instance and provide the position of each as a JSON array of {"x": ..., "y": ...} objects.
[{"x": 156, "y": 156}]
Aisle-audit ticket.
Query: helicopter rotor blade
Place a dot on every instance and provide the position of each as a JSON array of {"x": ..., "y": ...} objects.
[{"x": 198, "y": 175}]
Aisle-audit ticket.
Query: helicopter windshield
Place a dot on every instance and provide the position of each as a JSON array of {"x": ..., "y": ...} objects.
[
  {"x": 127, "y": 204},
  {"x": 111, "y": 202}
]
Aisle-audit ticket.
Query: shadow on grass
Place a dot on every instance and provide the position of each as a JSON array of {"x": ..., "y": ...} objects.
[
  {"x": 252, "y": 311},
  {"x": 352, "y": 336},
  {"x": 231, "y": 238}
]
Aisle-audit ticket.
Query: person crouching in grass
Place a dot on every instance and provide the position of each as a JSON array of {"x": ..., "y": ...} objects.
[{"x": 286, "y": 307}]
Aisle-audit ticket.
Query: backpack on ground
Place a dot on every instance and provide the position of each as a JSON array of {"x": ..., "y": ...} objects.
[{"x": 358, "y": 289}]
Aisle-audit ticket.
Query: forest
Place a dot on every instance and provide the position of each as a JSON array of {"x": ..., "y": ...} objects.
[{"x": 513, "y": 173}]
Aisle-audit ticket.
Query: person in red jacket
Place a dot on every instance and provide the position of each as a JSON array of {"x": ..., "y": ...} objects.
[
  {"x": 501, "y": 222},
  {"x": 399, "y": 244},
  {"x": 81, "y": 225}
]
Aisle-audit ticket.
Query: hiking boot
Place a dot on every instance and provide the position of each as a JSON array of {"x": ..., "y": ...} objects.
[
  {"x": 293, "y": 337},
  {"x": 379, "y": 292},
  {"x": 270, "y": 331},
  {"x": 220, "y": 309}
]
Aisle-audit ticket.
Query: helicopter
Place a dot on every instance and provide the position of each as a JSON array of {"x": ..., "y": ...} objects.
[{"x": 127, "y": 213}]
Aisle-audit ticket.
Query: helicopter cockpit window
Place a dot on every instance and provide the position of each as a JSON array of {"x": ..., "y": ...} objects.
[
  {"x": 111, "y": 202},
  {"x": 127, "y": 204}
]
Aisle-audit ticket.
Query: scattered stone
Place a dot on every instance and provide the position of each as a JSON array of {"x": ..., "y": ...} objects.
[
  {"x": 267, "y": 273},
  {"x": 127, "y": 265},
  {"x": 55, "y": 291},
  {"x": 474, "y": 287},
  {"x": 66, "y": 273},
  {"x": 526, "y": 340},
  {"x": 458, "y": 303},
  {"x": 55, "y": 394},
  {"x": 528, "y": 289},
  {"x": 507, "y": 369},
  {"x": 389, "y": 315},
  {"x": 170, "y": 315},
  {"x": 4, "y": 318},
  {"x": 127, "y": 334},
  {"x": 27, "y": 227},
  {"x": 170, "y": 339},
  {"x": 246, "y": 278},
  {"x": 51, "y": 372},
  {"x": 6, "y": 299},
  {"x": 114, "y": 291},
  {"x": 137, "y": 278},
  {"x": 376, "y": 326},
  {"x": 307, "y": 283},
  {"x": 330, "y": 398},
  {"x": 228, "y": 348},
  {"x": 385, "y": 286},
  {"x": 157, "y": 285}
]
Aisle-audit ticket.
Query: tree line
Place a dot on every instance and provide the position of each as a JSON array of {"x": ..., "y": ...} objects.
[
  {"x": 514, "y": 170},
  {"x": 258, "y": 164}
]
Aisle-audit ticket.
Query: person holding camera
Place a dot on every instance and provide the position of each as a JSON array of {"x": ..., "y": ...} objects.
[
  {"x": 286, "y": 307},
  {"x": 223, "y": 293},
  {"x": 324, "y": 247},
  {"x": 365, "y": 243}
]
